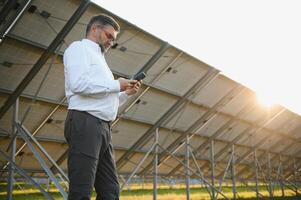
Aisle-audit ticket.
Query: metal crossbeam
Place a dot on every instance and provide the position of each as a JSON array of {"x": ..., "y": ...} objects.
[
  {"x": 24, "y": 174},
  {"x": 27, "y": 137},
  {"x": 22, "y": 127}
]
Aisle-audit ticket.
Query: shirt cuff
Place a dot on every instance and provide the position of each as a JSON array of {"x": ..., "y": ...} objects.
[
  {"x": 123, "y": 97},
  {"x": 115, "y": 86}
]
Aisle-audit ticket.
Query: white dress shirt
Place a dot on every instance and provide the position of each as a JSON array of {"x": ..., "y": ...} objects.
[{"x": 89, "y": 82}]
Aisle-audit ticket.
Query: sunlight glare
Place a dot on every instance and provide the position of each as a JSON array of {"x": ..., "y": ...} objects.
[{"x": 265, "y": 99}]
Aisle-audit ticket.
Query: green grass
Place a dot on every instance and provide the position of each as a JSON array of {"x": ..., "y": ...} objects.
[{"x": 28, "y": 192}]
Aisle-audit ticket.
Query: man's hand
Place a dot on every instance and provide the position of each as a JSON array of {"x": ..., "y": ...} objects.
[
  {"x": 134, "y": 89},
  {"x": 126, "y": 83}
]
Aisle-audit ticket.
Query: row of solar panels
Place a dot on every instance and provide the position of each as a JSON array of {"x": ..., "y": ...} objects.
[{"x": 181, "y": 95}]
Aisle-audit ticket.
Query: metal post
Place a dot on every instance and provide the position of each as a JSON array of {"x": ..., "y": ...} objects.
[
  {"x": 281, "y": 176},
  {"x": 155, "y": 173},
  {"x": 12, "y": 151},
  {"x": 212, "y": 168},
  {"x": 256, "y": 174},
  {"x": 233, "y": 173},
  {"x": 295, "y": 174},
  {"x": 270, "y": 175},
  {"x": 187, "y": 170},
  {"x": 48, "y": 184}
]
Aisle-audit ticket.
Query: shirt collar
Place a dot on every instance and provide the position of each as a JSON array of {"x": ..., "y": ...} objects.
[{"x": 91, "y": 44}]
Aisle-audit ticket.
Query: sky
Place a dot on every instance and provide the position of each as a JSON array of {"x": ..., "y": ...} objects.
[{"x": 254, "y": 42}]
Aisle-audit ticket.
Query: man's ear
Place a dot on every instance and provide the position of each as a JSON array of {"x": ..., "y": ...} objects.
[{"x": 93, "y": 27}]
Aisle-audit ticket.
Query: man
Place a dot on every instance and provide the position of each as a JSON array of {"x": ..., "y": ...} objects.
[{"x": 93, "y": 97}]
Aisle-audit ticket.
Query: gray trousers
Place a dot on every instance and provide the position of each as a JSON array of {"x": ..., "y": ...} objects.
[{"x": 90, "y": 157}]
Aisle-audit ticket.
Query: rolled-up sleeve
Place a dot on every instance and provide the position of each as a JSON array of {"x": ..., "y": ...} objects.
[{"x": 78, "y": 77}]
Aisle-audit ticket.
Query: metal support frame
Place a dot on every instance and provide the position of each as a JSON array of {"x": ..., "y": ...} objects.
[
  {"x": 262, "y": 156},
  {"x": 246, "y": 184},
  {"x": 27, "y": 137},
  {"x": 256, "y": 174},
  {"x": 233, "y": 174},
  {"x": 155, "y": 172},
  {"x": 212, "y": 169},
  {"x": 46, "y": 54},
  {"x": 266, "y": 122},
  {"x": 43, "y": 58},
  {"x": 247, "y": 130},
  {"x": 276, "y": 145},
  {"x": 288, "y": 184},
  {"x": 187, "y": 171},
  {"x": 40, "y": 147},
  {"x": 199, "y": 170},
  {"x": 12, "y": 152},
  {"x": 214, "y": 136},
  {"x": 193, "y": 173},
  {"x": 281, "y": 175},
  {"x": 24, "y": 174},
  {"x": 269, "y": 180},
  {"x": 62, "y": 141},
  {"x": 196, "y": 126},
  {"x": 227, "y": 125},
  {"x": 289, "y": 159},
  {"x": 157, "y": 145},
  {"x": 37, "y": 130},
  {"x": 295, "y": 173},
  {"x": 271, "y": 192},
  {"x": 221, "y": 180},
  {"x": 232, "y": 118},
  {"x": 126, "y": 182},
  {"x": 291, "y": 174}
]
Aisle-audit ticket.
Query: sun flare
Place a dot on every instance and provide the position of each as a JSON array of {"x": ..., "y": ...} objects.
[{"x": 265, "y": 99}]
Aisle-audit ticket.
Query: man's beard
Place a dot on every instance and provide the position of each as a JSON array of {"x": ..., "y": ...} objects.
[{"x": 103, "y": 50}]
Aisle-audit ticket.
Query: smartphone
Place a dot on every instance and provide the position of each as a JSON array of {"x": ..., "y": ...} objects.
[{"x": 139, "y": 76}]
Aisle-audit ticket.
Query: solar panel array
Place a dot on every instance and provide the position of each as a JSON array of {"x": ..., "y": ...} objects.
[{"x": 180, "y": 96}]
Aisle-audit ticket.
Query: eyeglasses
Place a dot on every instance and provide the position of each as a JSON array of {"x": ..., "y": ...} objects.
[{"x": 108, "y": 34}]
